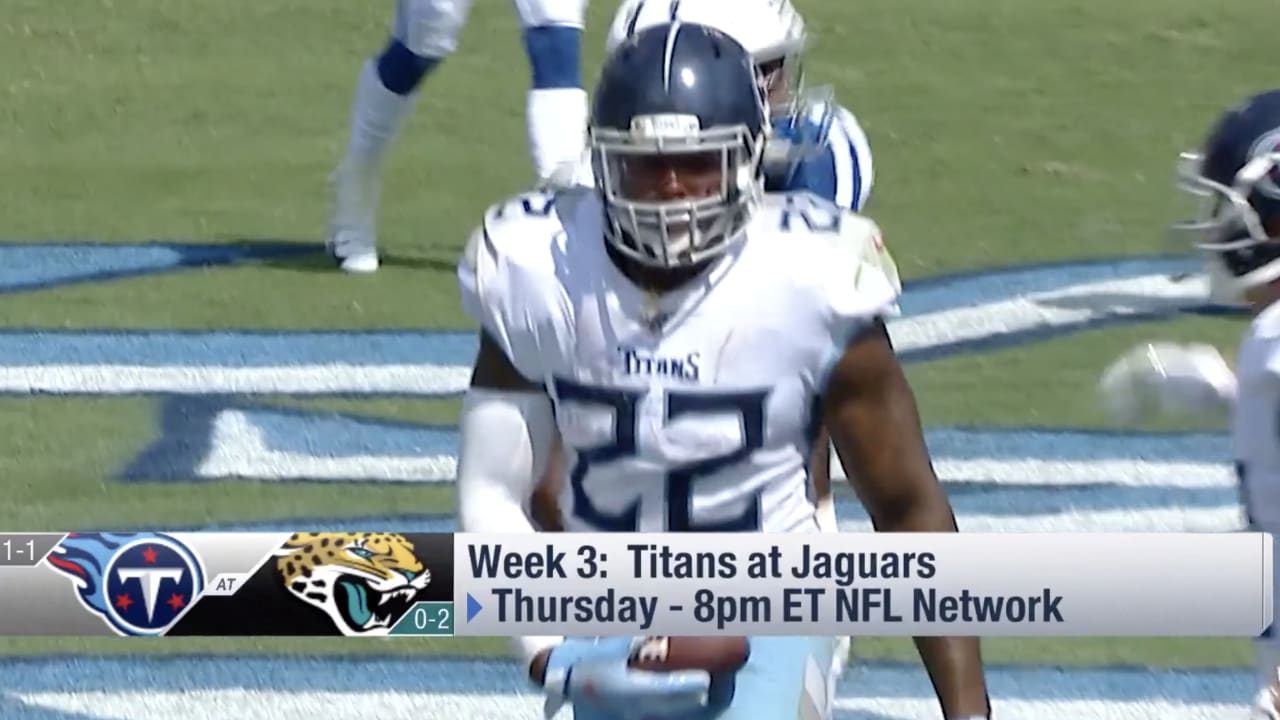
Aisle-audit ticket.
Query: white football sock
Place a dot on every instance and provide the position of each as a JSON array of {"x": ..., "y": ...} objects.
[
  {"x": 557, "y": 124},
  {"x": 376, "y": 117}
]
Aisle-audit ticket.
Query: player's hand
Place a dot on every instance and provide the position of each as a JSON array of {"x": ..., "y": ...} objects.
[
  {"x": 1167, "y": 378},
  {"x": 594, "y": 671}
]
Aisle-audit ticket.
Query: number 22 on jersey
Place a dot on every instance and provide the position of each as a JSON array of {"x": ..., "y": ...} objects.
[{"x": 681, "y": 480}]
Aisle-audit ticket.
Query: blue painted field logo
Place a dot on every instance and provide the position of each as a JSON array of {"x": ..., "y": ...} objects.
[
  {"x": 216, "y": 423},
  {"x": 30, "y": 267}
]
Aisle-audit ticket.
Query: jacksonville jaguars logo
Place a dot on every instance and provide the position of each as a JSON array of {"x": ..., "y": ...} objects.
[
  {"x": 364, "y": 582},
  {"x": 1269, "y": 143},
  {"x": 139, "y": 583}
]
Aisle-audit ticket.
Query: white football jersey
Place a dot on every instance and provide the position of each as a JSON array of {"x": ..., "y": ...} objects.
[
  {"x": 1255, "y": 432},
  {"x": 694, "y": 410}
]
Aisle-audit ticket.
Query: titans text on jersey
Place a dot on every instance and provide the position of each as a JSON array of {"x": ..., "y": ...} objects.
[
  {"x": 638, "y": 361},
  {"x": 693, "y": 410}
]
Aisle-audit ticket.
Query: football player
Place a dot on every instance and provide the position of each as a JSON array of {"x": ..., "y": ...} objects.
[
  {"x": 423, "y": 34},
  {"x": 685, "y": 335},
  {"x": 1236, "y": 175},
  {"x": 815, "y": 145}
]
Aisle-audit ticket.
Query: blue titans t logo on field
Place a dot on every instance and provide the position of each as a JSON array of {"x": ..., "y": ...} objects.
[{"x": 140, "y": 583}]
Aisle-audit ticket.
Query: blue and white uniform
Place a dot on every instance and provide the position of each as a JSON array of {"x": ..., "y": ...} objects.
[
  {"x": 840, "y": 169},
  {"x": 423, "y": 34}
]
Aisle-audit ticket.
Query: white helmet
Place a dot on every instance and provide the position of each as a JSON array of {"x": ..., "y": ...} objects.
[
  {"x": 771, "y": 30},
  {"x": 768, "y": 29}
]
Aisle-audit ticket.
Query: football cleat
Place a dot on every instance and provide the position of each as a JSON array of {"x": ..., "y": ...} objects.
[
  {"x": 352, "y": 240},
  {"x": 353, "y": 250}
]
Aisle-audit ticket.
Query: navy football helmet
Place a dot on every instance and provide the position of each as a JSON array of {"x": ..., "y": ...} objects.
[
  {"x": 677, "y": 134},
  {"x": 1236, "y": 177},
  {"x": 774, "y": 32}
]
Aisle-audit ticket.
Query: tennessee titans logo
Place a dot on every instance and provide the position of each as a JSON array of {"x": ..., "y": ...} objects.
[{"x": 140, "y": 583}]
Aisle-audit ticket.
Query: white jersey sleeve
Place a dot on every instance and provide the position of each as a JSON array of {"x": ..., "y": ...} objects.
[{"x": 503, "y": 281}]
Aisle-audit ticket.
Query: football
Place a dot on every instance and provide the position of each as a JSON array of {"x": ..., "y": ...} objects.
[{"x": 668, "y": 654}]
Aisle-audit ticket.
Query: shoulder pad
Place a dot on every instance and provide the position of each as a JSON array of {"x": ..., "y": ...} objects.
[
  {"x": 530, "y": 206},
  {"x": 506, "y": 275},
  {"x": 864, "y": 234},
  {"x": 525, "y": 214},
  {"x": 844, "y": 240},
  {"x": 807, "y": 212},
  {"x": 514, "y": 227}
]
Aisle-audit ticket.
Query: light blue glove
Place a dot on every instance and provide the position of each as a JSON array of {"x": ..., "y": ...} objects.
[{"x": 594, "y": 672}]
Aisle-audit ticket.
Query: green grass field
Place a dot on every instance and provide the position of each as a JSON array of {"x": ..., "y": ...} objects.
[{"x": 1005, "y": 133}]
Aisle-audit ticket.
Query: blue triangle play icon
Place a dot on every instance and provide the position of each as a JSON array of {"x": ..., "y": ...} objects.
[{"x": 473, "y": 607}]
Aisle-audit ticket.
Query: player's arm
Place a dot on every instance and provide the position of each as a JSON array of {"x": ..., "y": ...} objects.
[
  {"x": 506, "y": 421},
  {"x": 506, "y": 424},
  {"x": 870, "y": 411}
]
